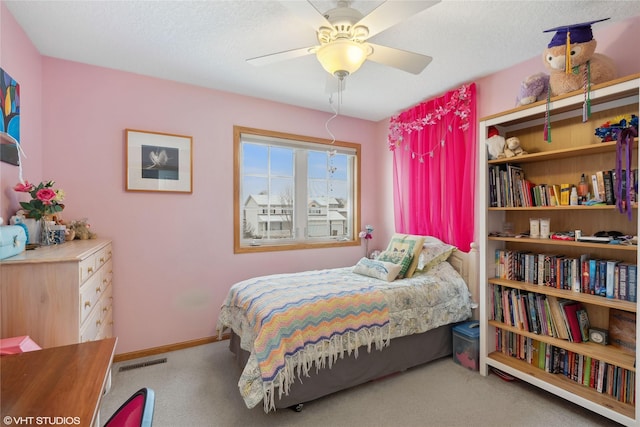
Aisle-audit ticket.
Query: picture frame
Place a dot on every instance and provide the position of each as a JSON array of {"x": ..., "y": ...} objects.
[{"x": 157, "y": 161}]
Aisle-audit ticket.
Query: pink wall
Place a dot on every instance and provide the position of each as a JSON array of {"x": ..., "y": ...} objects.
[
  {"x": 174, "y": 260},
  {"x": 21, "y": 60},
  {"x": 173, "y": 253}
]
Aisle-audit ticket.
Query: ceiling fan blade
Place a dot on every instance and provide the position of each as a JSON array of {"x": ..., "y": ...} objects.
[
  {"x": 391, "y": 13},
  {"x": 307, "y": 12},
  {"x": 410, "y": 62},
  {"x": 281, "y": 56}
]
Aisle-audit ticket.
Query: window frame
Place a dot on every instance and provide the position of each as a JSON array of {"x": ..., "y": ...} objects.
[{"x": 238, "y": 247}]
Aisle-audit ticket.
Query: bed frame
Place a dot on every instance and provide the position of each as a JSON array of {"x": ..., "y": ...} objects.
[{"x": 403, "y": 352}]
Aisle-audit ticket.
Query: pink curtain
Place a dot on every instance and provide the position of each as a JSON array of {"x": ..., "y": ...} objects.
[{"x": 434, "y": 148}]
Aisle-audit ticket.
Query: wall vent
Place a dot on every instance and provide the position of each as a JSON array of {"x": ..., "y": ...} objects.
[{"x": 142, "y": 364}]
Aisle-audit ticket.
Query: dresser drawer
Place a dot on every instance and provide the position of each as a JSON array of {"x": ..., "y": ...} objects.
[
  {"x": 88, "y": 267},
  {"x": 90, "y": 328},
  {"x": 103, "y": 256},
  {"x": 90, "y": 293}
]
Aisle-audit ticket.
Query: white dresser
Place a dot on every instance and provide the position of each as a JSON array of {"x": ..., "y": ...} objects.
[{"x": 58, "y": 294}]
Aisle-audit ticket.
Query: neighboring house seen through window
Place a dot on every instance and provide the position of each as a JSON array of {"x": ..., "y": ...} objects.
[{"x": 293, "y": 191}]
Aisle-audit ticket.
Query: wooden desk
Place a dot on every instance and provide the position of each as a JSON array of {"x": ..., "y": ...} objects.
[{"x": 64, "y": 382}]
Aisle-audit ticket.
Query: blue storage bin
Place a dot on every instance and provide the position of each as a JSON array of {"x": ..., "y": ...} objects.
[
  {"x": 466, "y": 345},
  {"x": 12, "y": 240}
]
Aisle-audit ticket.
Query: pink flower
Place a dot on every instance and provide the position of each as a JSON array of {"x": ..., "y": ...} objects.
[
  {"x": 46, "y": 195},
  {"x": 23, "y": 188}
]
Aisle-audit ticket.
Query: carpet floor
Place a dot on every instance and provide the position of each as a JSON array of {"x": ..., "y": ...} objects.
[{"x": 198, "y": 387}]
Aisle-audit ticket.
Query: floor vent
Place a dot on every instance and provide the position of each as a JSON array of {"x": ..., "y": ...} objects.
[{"x": 142, "y": 364}]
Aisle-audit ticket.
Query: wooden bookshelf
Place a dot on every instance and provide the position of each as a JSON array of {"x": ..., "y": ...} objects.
[{"x": 574, "y": 150}]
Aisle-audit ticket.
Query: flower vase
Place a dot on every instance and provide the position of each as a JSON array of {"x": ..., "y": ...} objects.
[
  {"x": 47, "y": 233},
  {"x": 33, "y": 228}
]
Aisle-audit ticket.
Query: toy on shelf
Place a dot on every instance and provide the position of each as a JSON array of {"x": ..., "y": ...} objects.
[
  {"x": 81, "y": 229},
  {"x": 571, "y": 59},
  {"x": 608, "y": 131},
  {"x": 533, "y": 89}
]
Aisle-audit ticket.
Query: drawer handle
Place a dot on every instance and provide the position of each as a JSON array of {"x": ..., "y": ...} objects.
[
  {"x": 105, "y": 280},
  {"x": 98, "y": 290},
  {"x": 102, "y": 259},
  {"x": 87, "y": 304},
  {"x": 105, "y": 309},
  {"x": 90, "y": 270},
  {"x": 98, "y": 322}
]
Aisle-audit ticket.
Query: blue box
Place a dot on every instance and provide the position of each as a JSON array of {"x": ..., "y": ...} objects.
[
  {"x": 12, "y": 240},
  {"x": 466, "y": 345}
]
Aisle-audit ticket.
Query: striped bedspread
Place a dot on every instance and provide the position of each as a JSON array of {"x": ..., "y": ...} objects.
[
  {"x": 303, "y": 319},
  {"x": 293, "y": 323}
]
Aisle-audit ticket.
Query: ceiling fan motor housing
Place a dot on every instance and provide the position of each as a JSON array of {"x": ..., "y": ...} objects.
[{"x": 343, "y": 20}]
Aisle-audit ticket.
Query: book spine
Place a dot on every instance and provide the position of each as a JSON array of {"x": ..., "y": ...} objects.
[
  {"x": 632, "y": 282},
  {"x": 609, "y": 194},
  {"x": 610, "y": 279},
  {"x": 622, "y": 281}
]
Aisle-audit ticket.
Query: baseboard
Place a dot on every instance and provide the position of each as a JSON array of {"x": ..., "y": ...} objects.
[{"x": 166, "y": 348}]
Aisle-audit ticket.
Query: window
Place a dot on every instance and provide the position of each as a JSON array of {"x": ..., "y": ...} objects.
[{"x": 293, "y": 192}]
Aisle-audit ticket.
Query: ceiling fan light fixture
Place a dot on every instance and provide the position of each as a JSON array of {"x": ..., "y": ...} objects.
[{"x": 342, "y": 57}]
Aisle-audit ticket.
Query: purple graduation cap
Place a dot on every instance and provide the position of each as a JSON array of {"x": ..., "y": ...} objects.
[{"x": 576, "y": 33}]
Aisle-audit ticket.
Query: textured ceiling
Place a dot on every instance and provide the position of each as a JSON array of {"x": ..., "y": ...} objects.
[{"x": 206, "y": 43}]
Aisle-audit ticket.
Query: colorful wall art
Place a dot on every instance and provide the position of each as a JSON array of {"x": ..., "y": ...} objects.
[{"x": 10, "y": 124}]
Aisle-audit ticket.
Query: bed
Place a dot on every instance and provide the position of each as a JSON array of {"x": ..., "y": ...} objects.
[{"x": 301, "y": 336}]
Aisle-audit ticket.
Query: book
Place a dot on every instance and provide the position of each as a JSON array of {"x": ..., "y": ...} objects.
[
  {"x": 632, "y": 282},
  {"x": 569, "y": 309},
  {"x": 596, "y": 190},
  {"x": 622, "y": 330},
  {"x": 601, "y": 278},
  {"x": 593, "y": 275},
  {"x": 609, "y": 194},
  {"x": 583, "y": 321},
  {"x": 558, "y": 319},
  {"x": 610, "y": 278},
  {"x": 584, "y": 265},
  {"x": 514, "y": 176},
  {"x": 601, "y": 191},
  {"x": 565, "y": 190},
  {"x": 622, "y": 281}
]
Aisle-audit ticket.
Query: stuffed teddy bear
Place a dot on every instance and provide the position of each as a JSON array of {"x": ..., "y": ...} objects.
[
  {"x": 512, "y": 148},
  {"x": 533, "y": 89},
  {"x": 81, "y": 230},
  {"x": 584, "y": 64}
]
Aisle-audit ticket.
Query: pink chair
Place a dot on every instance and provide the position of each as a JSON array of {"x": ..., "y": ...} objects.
[
  {"x": 137, "y": 411},
  {"x": 15, "y": 345}
]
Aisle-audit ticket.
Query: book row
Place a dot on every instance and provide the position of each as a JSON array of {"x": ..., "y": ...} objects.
[
  {"x": 540, "y": 314},
  {"x": 602, "y": 277},
  {"x": 600, "y": 376},
  {"x": 509, "y": 188}
]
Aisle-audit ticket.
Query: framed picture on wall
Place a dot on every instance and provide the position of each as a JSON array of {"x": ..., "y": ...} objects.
[{"x": 157, "y": 161}]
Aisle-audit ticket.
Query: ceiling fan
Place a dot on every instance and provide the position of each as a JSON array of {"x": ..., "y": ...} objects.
[{"x": 343, "y": 34}]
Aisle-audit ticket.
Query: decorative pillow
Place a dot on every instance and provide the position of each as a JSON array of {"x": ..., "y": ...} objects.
[
  {"x": 400, "y": 258},
  {"x": 434, "y": 251},
  {"x": 378, "y": 269},
  {"x": 409, "y": 244}
]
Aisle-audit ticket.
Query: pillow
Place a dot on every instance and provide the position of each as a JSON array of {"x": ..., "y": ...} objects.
[
  {"x": 400, "y": 258},
  {"x": 409, "y": 244},
  {"x": 434, "y": 251},
  {"x": 378, "y": 269}
]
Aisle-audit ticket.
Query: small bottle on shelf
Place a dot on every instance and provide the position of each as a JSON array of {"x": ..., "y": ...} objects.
[
  {"x": 573, "y": 198},
  {"x": 583, "y": 189}
]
